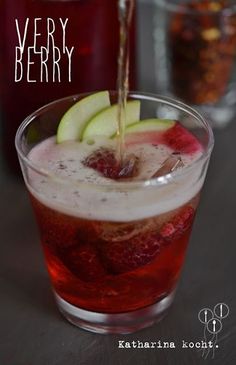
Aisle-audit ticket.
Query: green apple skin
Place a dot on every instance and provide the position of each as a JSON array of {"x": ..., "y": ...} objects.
[
  {"x": 149, "y": 125},
  {"x": 75, "y": 119},
  {"x": 105, "y": 122}
]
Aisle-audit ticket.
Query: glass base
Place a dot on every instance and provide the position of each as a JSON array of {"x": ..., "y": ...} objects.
[{"x": 122, "y": 323}]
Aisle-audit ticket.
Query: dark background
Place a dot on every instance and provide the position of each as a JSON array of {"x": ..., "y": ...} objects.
[{"x": 32, "y": 332}]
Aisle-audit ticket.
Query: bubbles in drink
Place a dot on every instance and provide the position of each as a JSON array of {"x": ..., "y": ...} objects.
[{"x": 80, "y": 196}]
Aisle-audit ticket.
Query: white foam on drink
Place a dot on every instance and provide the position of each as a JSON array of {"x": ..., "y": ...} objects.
[{"x": 90, "y": 195}]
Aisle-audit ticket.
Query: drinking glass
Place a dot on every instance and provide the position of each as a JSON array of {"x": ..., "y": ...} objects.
[{"x": 85, "y": 228}]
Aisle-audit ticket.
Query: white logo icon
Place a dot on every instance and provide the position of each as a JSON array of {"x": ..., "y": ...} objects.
[{"x": 212, "y": 320}]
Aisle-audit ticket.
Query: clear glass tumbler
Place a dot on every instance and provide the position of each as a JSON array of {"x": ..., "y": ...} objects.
[
  {"x": 195, "y": 51},
  {"x": 81, "y": 223}
]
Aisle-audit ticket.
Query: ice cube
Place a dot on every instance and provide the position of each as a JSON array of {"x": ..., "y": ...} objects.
[{"x": 172, "y": 163}]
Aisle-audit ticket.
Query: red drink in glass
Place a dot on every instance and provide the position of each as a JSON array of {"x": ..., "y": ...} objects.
[
  {"x": 114, "y": 248},
  {"x": 114, "y": 267}
]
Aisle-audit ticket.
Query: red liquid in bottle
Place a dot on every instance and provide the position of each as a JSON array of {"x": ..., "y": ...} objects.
[{"x": 93, "y": 31}]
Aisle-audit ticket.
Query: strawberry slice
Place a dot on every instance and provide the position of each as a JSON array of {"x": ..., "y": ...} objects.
[
  {"x": 83, "y": 261},
  {"x": 178, "y": 225},
  {"x": 128, "y": 255},
  {"x": 104, "y": 161},
  {"x": 181, "y": 140}
]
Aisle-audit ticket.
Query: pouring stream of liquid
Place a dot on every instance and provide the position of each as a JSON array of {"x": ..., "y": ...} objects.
[{"x": 125, "y": 8}]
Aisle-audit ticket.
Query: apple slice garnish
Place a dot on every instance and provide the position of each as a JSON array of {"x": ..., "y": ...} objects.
[
  {"x": 163, "y": 131},
  {"x": 148, "y": 125},
  {"x": 105, "y": 122},
  {"x": 75, "y": 119},
  {"x": 147, "y": 130}
]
